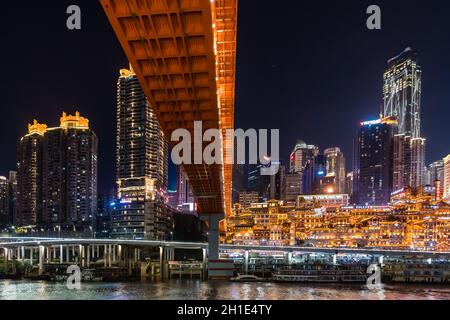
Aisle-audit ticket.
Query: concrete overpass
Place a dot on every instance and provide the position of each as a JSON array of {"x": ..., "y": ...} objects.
[{"x": 14, "y": 243}]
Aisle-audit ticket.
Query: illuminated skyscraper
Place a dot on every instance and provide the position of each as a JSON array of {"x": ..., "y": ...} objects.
[
  {"x": 314, "y": 174},
  {"x": 141, "y": 165},
  {"x": 4, "y": 202},
  {"x": 293, "y": 188},
  {"x": 447, "y": 178},
  {"x": 278, "y": 184},
  {"x": 185, "y": 196},
  {"x": 374, "y": 152},
  {"x": 69, "y": 184},
  {"x": 29, "y": 175},
  {"x": 301, "y": 154},
  {"x": 417, "y": 162},
  {"x": 335, "y": 163},
  {"x": 436, "y": 172},
  {"x": 12, "y": 180},
  {"x": 401, "y": 162},
  {"x": 402, "y": 92}
]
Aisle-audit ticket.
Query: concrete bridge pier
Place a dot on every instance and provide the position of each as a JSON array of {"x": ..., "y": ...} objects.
[
  {"x": 5, "y": 258},
  {"x": 41, "y": 260},
  {"x": 246, "y": 261},
  {"x": 217, "y": 269}
]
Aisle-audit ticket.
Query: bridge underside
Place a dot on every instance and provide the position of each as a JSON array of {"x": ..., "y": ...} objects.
[{"x": 184, "y": 55}]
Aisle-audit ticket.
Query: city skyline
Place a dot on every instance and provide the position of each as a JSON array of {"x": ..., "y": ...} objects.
[
  {"x": 252, "y": 110},
  {"x": 225, "y": 149}
]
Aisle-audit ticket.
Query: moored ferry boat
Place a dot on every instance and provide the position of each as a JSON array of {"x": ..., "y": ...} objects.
[{"x": 323, "y": 273}]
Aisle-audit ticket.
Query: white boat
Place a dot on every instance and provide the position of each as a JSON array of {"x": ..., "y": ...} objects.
[{"x": 246, "y": 278}]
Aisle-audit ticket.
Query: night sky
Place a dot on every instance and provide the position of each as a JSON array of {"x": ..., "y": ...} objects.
[{"x": 311, "y": 69}]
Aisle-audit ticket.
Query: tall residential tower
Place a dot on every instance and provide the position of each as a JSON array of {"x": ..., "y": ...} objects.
[{"x": 141, "y": 165}]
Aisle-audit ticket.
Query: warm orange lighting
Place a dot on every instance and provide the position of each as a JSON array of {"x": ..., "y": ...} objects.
[
  {"x": 37, "y": 128},
  {"x": 76, "y": 121}
]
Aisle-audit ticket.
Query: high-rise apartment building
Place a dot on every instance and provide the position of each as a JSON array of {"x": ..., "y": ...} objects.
[
  {"x": 349, "y": 185},
  {"x": 447, "y": 178},
  {"x": 293, "y": 187},
  {"x": 335, "y": 166},
  {"x": 141, "y": 166},
  {"x": 401, "y": 175},
  {"x": 374, "y": 152},
  {"x": 301, "y": 154},
  {"x": 278, "y": 184},
  {"x": 12, "y": 181},
  {"x": 57, "y": 174},
  {"x": 436, "y": 172},
  {"x": 69, "y": 188},
  {"x": 417, "y": 163},
  {"x": 185, "y": 195},
  {"x": 313, "y": 176},
  {"x": 4, "y": 201},
  {"x": 29, "y": 176},
  {"x": 402, "y": 92}
]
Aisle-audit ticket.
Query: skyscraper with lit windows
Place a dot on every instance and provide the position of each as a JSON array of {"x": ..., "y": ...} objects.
[
  {"x": 417, "y": 162},
  {"x": 335, "y": 166},
  {"x": 4, "y": 201},
  {"x": 29, "y": 175},
  {"x": 447, "y": 178},
  {"x": 402, "y": 91},
  {"x": 141, "y": 165},
  {"x": 69, "y": 170},
  {"x": 374, "y": 151}
]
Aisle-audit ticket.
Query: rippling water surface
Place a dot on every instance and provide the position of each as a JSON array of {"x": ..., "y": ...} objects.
[{"x": 197, "y": 290}]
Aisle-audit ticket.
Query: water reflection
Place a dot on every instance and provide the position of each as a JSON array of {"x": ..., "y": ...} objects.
[{"x": 197, "y": 290}]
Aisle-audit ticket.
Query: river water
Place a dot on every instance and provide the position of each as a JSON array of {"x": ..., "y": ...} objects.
[{"x": 220, "y": 290}]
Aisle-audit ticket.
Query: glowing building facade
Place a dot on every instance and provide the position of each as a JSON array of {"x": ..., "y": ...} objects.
[
  {"x": 141, "y": 165},
  {"x": 374, "y": 153},
  {"x": 401, "y": 174},
  {"x": 447, "y": 178},
  {"x": 57, "y": 175},
  {"x": 301, "y": 154},
  {"x": 417, "y": 163},
  {"x": 4, "y": 201},
  {"x": 29, "y": 175},
  {"x": 335, "y": 166},
  {"x": 69, "y": 170},
  {"x": 402, "y": 92}
]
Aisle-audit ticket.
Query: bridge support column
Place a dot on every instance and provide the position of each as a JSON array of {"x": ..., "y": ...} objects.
[
  {"x": 41, "y": 259},
  {"x": 217, "y": 269},
  {"x": 113, "y": 248},
  {"x": 61, "y": 254},
  {"x": 109, "y": 256},
  {"x": 5, "y": 258},
  {"x": 88, "y": 256},
  {"x": 22, "y": 249},
  {"x": 335, "y": 259},
  {"x": 246, "y": 257},
  {"x": 289, "y": 258},
  {"x": 213, "y": 221},
  {"x": 381, "y": 260}
]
